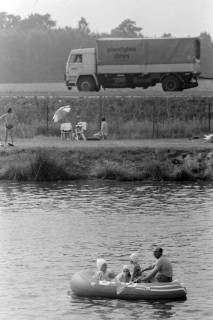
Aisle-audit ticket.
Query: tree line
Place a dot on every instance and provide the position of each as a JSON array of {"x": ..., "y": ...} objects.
[{"x": 34, "y": 49}]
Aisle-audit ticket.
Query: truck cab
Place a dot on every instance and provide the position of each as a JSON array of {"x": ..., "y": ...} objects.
[
  {"x": 135, "y": 62},
  {"x": 81, "y": 70}
]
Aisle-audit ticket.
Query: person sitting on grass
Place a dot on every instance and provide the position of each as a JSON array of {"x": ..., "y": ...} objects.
[
  {"x": 80, "y": 129},
  {"x": 103, "y": 133},
  {"x": 125, "y": 275},
  {"x": 162, "y": 269}
]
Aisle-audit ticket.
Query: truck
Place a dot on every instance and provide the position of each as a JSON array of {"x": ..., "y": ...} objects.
[{"x": 135, "y": 62}]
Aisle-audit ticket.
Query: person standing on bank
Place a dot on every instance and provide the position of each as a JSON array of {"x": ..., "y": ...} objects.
[
  {"x": 10, "y": 121},
  {"x": 162, "y": 269},
  {"x": 104, "y": 129}
]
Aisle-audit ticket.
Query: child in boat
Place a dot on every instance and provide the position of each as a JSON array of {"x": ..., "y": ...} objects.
[
  {"x": 125, "y": 275},
  {"x": 102, "y": 273},
  {"x": 136, "y": 273}
]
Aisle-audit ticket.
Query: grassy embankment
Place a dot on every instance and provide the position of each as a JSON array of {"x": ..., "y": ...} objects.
[
  {"x": 120, "y": 161},
  {"x": 129, "y": 118}
]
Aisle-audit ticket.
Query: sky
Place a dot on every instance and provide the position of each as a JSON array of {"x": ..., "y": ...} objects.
[{"x": 178, "y": 17}]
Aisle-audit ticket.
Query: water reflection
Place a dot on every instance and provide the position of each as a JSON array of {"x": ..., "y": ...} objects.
[
  {"x": 163, "y": 310},
  {"x": 115, "y": 309},
  {"x": 50, "y": 230}
]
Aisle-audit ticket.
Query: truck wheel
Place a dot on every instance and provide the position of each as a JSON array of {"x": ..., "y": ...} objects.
[
  {"x": 86, "y": 84},
  {"x": 171, "y": 83}
]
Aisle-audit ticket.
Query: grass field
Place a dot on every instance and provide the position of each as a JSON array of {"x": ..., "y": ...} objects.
[
  {"x": 123, "y": 144},
  {"x": 59, "y": 89}
]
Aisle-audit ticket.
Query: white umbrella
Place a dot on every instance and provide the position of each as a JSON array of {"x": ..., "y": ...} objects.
[
  {"x": 61, "y": 112},
  {"x": 208, "y": 137}
]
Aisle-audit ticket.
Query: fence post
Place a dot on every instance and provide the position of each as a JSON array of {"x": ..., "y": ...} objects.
[
  {"x": 153, "y": 120},
  {"x": 100, "y": 111},
  {"x": 47, "y": 115},
  {"x": 156, "y": 121},
  {"x": 209, "y": 117}
]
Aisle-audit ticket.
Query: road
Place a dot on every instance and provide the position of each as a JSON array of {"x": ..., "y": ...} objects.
[{"x": 204, "y": 89}]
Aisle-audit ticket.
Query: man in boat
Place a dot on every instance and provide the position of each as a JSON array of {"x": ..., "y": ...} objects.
[{"x": 161, "y": 270}]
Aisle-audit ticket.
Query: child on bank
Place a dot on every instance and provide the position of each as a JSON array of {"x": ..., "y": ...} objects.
[{"x": 104, "y": 129}]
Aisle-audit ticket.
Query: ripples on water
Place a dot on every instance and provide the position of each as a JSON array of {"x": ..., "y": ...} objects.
[{"x": 49, "y": 231}]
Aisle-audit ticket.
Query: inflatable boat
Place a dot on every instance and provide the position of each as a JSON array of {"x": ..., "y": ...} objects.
[{"x": 83, "y": 285}]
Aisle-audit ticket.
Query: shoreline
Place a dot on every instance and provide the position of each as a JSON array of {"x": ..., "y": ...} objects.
[{"x": 53, "y": 159}]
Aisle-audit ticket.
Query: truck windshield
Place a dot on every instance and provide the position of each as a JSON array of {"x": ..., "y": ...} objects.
[{"x": 76, "y": 58}]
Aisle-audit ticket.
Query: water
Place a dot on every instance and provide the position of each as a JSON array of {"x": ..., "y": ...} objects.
[{"x": 49, "y": 231}]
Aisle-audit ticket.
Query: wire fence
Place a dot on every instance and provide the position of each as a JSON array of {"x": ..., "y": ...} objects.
[{"x": 128, "y": 116}]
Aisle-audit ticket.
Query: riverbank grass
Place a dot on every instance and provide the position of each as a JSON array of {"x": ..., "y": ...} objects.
[{"x": 116, "y": 160}]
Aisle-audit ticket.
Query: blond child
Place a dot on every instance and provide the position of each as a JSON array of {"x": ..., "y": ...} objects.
[
  {"x": 101, "y": 273},
  {"x": 125, "y": 275},
  {"x": 137, "y": 272}
]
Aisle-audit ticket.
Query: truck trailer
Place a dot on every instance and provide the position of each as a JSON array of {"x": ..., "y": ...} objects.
[{"x": 135, "y": 62}]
